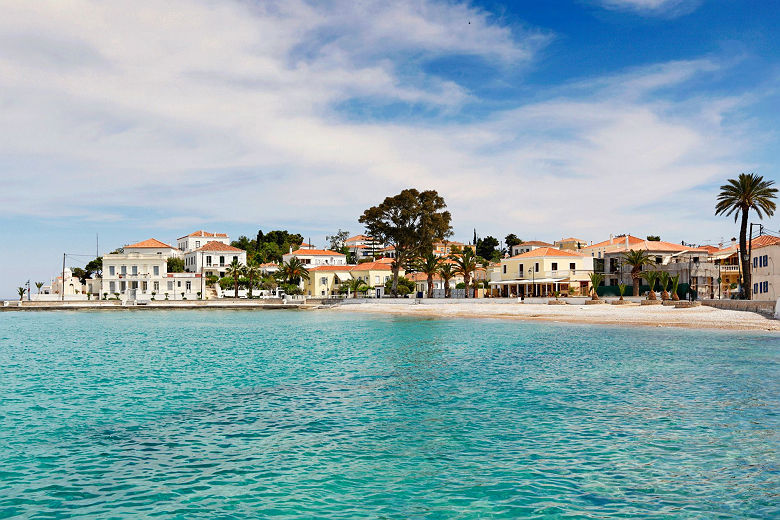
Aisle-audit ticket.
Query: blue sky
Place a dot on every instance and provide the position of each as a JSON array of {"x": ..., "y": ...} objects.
[{"x": 543, "y": 118}]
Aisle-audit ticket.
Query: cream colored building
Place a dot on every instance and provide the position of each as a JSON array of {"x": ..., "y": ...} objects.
[
  {"x": 199, "y": 239},
  {"x": 315, "y": 257},
  {"x": 542, "y": 271},
  {"x": 765, "y": 268}
]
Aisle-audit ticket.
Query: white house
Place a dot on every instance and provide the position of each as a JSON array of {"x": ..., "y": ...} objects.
[
  {"x": 315, "y": 257},
  {"x": 213, "y": 258},
  {"x": 364, "y": 246},
  {"x": 140, "y": 270},
  {"x": 199, "y": 239}
]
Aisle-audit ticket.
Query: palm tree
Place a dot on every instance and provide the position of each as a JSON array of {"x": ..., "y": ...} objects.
[
  {"x": 652, "y": 278},
  {"x": 739, "y": 196},
  {"x": 622, "y": 290},
  {"x": 21, "y": 291},
  {"x": 356, "y": 285},
  {"x": 252, "y": 271},
  {"x": 38, "y": 285},
  {"x": 465, "y": 264},
  {"x": 675, "y": 282},
  {"x": 447, "y": 273},
  {"x": 293, "y": 271},
  {"x": 428, "y": 265},
  {"x": 664, "y": 277},
  {"x": 636, "y": 258},
  {"x": 595, "y": 281},
  {"x": 235, "y": 269}
]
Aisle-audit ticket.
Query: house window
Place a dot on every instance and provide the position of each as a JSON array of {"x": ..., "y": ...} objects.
[
  {"x": 156, "y": 270},
  {"x": 156, "y": 287},
  {"x": 755, "y": 262},
  {"x": 376, "y": 279},
  {"x": 124, "y": 269},
  {"x": 197, "y": 243},
  {"x": 221, "y": 260},
  {"x": 658, "y": 259},
  {"x": 112, "y": 287},
  {"x": 144, "y": 286},
  {"x": 170, "y": 286},
  {"x": 178, "y": 283},
  {"x": 536, "y": 267},
  {"x": 135, "y": 270},
  {"x": 235, "y": 259},
  {"x": 521, "y": 270},
  {"x": 573, "y": 266},
  {"x": 766, "y": 260},
  {"x": 555, "y": 266},
  {"x": 208, "y": 261},
  {"x": 122, "y": 286},
  {"x": 766, "y": 286},
  {"x": 755, "y": 288},
  {"x": 111, "y": 271},
  {"x": 324, "y": 280},
  {"x": 189, "y": 286}
]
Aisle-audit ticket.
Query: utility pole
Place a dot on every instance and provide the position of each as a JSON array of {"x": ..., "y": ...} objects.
[{"x": 62, "y": 287}]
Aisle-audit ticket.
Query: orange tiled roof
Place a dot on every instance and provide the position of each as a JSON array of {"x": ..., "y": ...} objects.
[
  {"x": 315, "y": 252},
  {"x": 374, "y": 266},
  {"x": 618, "y": 241},
  {"x": 331, "y": 268},
  {"x": 151, "y": 243},
  {"x": 269, "y": 264},
  {"x": 758, "y": 242},
  {"x": 219, "y": 246},
  {"x": 546, "y": 251},
  {"x": 572, "y": 239},
  {"x": 358, "y": 237},
  {"x": 205, "y": 234}
]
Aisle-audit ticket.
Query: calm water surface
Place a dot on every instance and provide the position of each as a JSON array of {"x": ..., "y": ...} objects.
[{"x": 317, "y": 415}]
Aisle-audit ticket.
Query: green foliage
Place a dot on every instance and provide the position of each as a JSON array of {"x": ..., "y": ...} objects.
[
  {"x": 175, "y": 265},
  {"x": 402, "y": 282},
  {"x": 447, "y": 273},
  {"x": 95, "y": 266},
  {"x": 291, "y": 289},
  {"x": 21, "y": 291},
  {"x": 622, "y": 289},
  {"x": 465, "y": 264},
  {"x": 653, "y": 238},
  {"x": 268, "y": 247},
  {"x": 596, "y": 279},
  {"x": 293, "y": 271},
  {"x": 80, "y": 273},
  {"x": 487, "y": 247},
  {"x": 460, "y": 285},
  {"x": 652, "y": 279},
  {"x": 511, "y": 240},
  {"x": 403, "y": 290},
  {"x": 211, "y": 280},
  {"x": 38, "y": 285}
]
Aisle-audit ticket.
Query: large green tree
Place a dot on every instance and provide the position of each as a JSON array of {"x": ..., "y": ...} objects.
[
  {"x": 235, "y": 270},
  {"x": 293, "y": 271},
  {"x": 487, "y": 247},
  {"x": 738, "y": 196},
  {"x": 447, "y": 273},
  {"x": 411, "y": 222}
]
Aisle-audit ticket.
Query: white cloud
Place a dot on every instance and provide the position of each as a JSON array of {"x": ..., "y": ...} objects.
[
  {"x": 654, "y": 7},
  {"x": 198, "y": 111}
]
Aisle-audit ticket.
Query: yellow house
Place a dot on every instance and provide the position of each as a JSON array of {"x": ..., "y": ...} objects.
[
  {"x": 326, "y": 280},
  {"x": 541, "y": 272}
]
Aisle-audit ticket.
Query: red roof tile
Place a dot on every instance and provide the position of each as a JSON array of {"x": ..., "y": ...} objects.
[
  {"x": 546, "y": 251},
  {"x": 151, "y": 243},
  {"x": 205, "y": 234},
  {"x": 219, "y": 246}
]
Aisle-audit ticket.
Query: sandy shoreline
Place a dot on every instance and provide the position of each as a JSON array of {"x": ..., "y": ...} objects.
[{"x": 652, "y": 316}]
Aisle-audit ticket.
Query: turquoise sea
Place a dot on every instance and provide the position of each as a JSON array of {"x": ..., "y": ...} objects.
[{"x": 294, "y": 414}]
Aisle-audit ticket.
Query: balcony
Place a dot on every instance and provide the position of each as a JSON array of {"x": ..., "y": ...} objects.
[{"x": 728, "y": 268}]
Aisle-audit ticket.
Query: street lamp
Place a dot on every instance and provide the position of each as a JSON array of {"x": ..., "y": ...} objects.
[{"x": 533, "y": 281}]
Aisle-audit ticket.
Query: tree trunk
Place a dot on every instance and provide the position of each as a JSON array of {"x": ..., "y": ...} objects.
[
  {"x": 430, "y": 285},
  {"x": 394, "y": 287},
  {"x": 651, "y": 294},
  {"x": 635, "y": 278},
  {"x": 743, "y": 258},
  {"x": 236, "y": 279},
  {"x": 466, "y": 280}
]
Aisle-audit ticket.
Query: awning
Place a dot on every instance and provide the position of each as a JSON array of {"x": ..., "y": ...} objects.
[
  {"x": 529, "y": 282},
  {"x": 344, "y": 276}
]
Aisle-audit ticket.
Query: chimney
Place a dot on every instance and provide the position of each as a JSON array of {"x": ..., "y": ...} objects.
[
  {"x": 733, "y": 242},
  {"x": 611, "y": 239},
  {"x": 626, "y": 241}
]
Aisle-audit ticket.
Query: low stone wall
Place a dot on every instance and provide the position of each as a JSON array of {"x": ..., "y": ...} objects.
[{"x": 761, "y": 307}]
